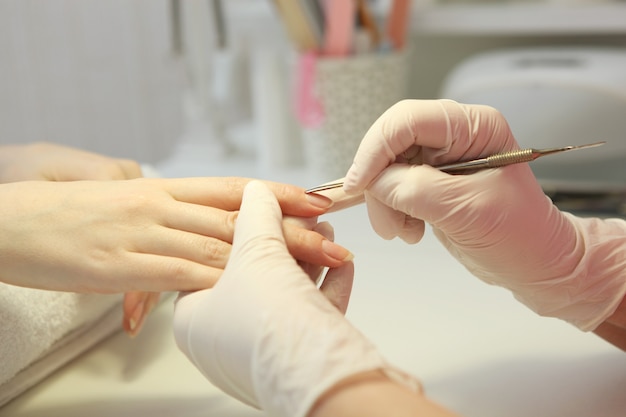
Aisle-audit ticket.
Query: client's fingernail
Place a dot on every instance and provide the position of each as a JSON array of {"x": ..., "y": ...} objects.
[
  {"x": 136, "y": 319},
  {"x": 319, "y": 200},
  {"x": 336, "y": 252}
]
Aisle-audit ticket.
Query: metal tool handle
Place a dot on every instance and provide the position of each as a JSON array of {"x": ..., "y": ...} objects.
[
  {"x": 511, "y": 157},
  {"x": 493, "y": 161}
]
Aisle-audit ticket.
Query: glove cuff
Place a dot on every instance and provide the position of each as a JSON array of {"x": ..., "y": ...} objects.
[
  {"x": 597, "y": 284},
  {"x": 289, "y": 382}
]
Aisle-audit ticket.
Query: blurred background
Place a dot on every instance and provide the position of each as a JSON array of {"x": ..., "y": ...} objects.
[{"x": 187, "y": 85}]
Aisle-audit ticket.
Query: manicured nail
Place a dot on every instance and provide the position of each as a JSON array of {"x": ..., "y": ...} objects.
[
  {"x": 336, "y": 252},
  {"x": 136, "y": 319},
  {"x": 319, "y": 200}
]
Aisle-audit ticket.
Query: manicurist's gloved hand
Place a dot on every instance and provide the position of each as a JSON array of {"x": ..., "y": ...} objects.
[
  {"x": 497, "y": 222},
  {"x": 285, "y": 342}
]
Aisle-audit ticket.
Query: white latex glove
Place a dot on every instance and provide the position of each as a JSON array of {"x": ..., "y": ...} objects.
[
  {"x": 497, "y": 222},
  {"x": 264, "y": 333}
]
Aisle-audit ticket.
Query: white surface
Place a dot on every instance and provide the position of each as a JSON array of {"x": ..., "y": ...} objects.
[
  {"x": 476, "y": 349},
  {"x": 522, "y": 17}
]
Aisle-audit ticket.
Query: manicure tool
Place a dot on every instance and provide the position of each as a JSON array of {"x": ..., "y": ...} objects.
[
  {"x": 493, "y": 161},
  {"x": 397, "y": 23},
  {"x": 339, "y": 27},
  {"x": 367, "y": 21}
]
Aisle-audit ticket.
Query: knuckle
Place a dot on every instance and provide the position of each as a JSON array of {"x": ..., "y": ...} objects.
[
  {"x": 298, "y": 239},
  {"x": 235, "y": 185},
  {"x": 215, "y": 251},
  {"x": 285, "y": 192},
  {"x": 178, "y": 271},
  {"x": 230, "y": 220},
  {"x": 130, "y": 168}
]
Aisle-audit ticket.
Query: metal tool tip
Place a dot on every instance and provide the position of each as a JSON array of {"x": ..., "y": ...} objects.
[{"x": 590, "y": 145}]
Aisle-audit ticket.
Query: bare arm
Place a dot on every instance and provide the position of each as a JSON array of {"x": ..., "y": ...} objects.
[
  {"x": 372, "y": 395},
  {"x": 613, "y": 330}
]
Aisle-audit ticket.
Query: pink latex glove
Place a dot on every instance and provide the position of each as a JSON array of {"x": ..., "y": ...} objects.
[
  {"x": 496, "y": 222},
  {"x": 264, "y": 333}
]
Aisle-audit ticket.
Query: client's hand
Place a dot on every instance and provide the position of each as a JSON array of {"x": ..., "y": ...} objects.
[
  {"x": 285, "y": 342},
  {"x": 137, "y": 235},
  {"x": 52, "y": 162}
]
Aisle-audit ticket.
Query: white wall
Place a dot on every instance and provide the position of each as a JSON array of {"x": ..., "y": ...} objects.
[{"x": 90, "y": 73}]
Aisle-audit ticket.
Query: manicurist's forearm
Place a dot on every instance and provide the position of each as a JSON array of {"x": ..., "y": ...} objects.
[
  {"x": 613, "y": 330},
  {"x": 374, "y": 395}
]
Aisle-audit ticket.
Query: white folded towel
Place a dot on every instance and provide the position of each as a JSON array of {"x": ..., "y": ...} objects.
[{"x": 41, "y": 331}]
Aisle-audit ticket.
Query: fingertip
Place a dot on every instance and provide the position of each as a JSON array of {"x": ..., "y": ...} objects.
[
  {"x": 337, "y": 286},
  {"x": 137, "y": 308},
  {"x": 258, "y": 198},
  {"x": 413, "y": 230},
  {"x": 340, "y": 199},
  {"x": 318, "y": 201},
  {"x": 410, "y": 239},
  {"x": 351, "y": 183},
  {"x": 336, "y": 252},
  {"x": 256, "y": 188},
  {"x": 259, "y": 215},
  {"x": 133, "y": 307},
  {"x": 385, "y": 221},
  {"x": 325, "y": 229}
]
